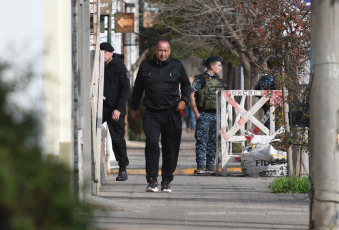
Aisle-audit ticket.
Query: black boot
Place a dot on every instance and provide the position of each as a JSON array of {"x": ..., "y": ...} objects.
[{"x": 122, "y": 176}]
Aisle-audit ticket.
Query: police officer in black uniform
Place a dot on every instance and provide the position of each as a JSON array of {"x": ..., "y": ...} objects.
[
  {"x": 160, "y": 79},
  {"x": 116, "y": 92}
]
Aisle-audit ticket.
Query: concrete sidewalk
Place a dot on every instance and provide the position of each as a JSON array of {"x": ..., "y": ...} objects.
[
  {"x": 186, "y": 164},
  {"x": 197, "y": 202}
]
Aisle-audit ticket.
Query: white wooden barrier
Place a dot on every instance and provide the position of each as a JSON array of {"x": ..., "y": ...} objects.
[
  {"x": 97, "y": 92},
  {"x": 245, "y": 122}
]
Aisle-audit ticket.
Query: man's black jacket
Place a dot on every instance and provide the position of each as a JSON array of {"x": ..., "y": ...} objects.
[
  {"x": 160, "y": 81},
  {"x": 116, "y": 86}
]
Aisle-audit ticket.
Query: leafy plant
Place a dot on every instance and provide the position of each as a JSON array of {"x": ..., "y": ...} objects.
[
  {"x": 35, "y": 191},
  {"x": 248, "y": 32},
  {"x": 292, "y": 184},
  {"x": 236, "y": 148},
  {"x": 135, "y": 129}
]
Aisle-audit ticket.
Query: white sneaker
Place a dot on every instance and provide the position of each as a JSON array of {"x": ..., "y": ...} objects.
[
  {"x": 165, "y": 186},
  {"x": 152, "y": 186}
]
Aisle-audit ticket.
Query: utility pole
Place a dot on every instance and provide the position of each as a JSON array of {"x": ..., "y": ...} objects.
[
  {"x": 324, "y": 206},
  {"x": 286, "y": 119},
  {"x": 109, "y": 29},
  {"x": 95, "y": 22}
]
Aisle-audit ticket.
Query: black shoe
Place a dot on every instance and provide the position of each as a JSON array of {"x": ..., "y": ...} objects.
[
  {"x": 122, "y": 176},
  {"x": 165, "y": 186},
  {"x": 210, "y": 168},
  {"x": 152, "y": 185},
  {"x": 199, "y": 169}
]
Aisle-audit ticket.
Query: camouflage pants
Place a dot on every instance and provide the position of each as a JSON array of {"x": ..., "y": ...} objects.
[{"x": 205, "y": 135}]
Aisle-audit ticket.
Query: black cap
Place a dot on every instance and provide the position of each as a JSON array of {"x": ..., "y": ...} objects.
[{"x": 106, "y": 46}]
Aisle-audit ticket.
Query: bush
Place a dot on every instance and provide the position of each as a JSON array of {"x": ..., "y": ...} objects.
[
  {"x": 236, "y": 148},
  {"x": 135, "y": 129},
  {"x": 290, "y": 185},
  {"x": 35, "y": 192}
]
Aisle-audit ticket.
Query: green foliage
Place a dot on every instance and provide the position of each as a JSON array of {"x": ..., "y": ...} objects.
[
  {"x": 236, "y": 148},
  {"x": 135, "y": 129},
  {"x": 182, "y": 47},
  {"x": 290, "y": 185},
  {"x": 35, "y": 192}
]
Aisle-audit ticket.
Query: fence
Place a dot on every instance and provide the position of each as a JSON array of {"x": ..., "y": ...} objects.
[
  {"x": 236, "y": 124},
  {"x": 96, "y": 107},
  {"x": 96, "y": 94}
]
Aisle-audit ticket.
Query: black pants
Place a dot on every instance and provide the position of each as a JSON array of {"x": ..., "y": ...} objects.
[
  {"x": 117, "y": 132},
  {"x": 169, "y": 125}
]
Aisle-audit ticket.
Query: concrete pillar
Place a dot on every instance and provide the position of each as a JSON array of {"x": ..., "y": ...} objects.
[
  {"x": 58, "y": 79},
  {"x": 324, "y": 115}
]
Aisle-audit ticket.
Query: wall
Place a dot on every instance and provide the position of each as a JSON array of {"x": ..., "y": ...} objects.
[{"x": 58, "y": 78}]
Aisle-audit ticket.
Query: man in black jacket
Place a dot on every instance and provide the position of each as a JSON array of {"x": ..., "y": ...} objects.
[
  {"x": 160, "y": 79},
  {"x": 116, "y": 92}
]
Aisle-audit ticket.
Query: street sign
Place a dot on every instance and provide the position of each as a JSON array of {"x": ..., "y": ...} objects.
[
  {"x": 105, "y": 7},
  {"x": 124, "y": 22}
]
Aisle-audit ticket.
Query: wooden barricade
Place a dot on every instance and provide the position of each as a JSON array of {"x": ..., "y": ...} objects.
[
  {"x": 236, "y": 124},
  {"x": 97, "y": 89}
]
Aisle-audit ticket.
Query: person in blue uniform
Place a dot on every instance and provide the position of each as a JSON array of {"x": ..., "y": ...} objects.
[
  {"x": 189, "y": 114},
  {"x": 266, "y": 81},
  {"x": 203, "y": 103}
]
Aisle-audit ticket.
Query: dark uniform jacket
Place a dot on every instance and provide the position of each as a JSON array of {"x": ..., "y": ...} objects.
[
  {"x": 116, "y": 86},
  {"x": 198, "y": 84},
  {"x": 265, "y": 82},
  {"x": 160, "y": 81}
]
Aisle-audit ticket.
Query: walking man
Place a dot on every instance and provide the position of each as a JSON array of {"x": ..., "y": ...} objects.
[
  {"x": 116, "y": 92},
  {"x": 160, "y": 79},
  {"x": 203, "y": 103}
]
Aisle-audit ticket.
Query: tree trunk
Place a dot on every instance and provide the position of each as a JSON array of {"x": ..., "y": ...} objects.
[{"x": 229, "y": 76}]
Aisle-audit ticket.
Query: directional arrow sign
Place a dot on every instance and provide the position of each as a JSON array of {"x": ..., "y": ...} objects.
[{"x": 124, "y": 22}]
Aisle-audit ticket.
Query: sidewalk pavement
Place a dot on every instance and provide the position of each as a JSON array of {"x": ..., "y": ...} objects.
[
  {"x": 197, "y": 202},
  {"x": 135, "y": 151}
]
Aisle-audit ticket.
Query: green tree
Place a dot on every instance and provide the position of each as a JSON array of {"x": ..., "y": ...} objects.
[
  {"x": 251, "y": 31},
  {"x": 35, "y": 191},
  {"x": 248, "y": 30}
]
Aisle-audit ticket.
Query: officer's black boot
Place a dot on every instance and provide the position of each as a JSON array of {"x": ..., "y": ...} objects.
[{"x": 122, "y": 176}]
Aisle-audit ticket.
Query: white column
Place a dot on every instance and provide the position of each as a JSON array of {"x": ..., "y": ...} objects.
[{"x": 58, "y": 78}]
